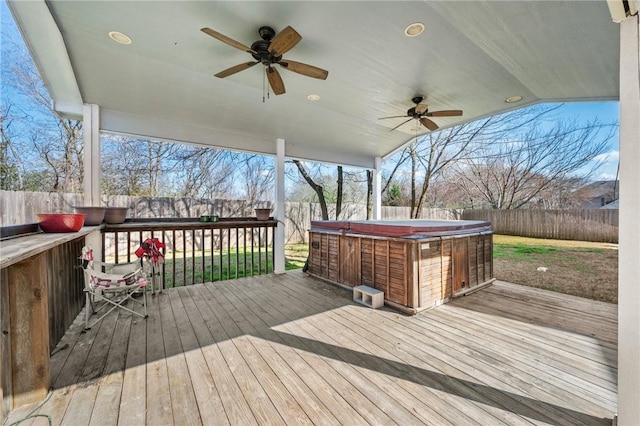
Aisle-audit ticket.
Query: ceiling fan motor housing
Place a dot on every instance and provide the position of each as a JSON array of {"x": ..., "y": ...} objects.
[
  {"x": 267, "y": 33},
  {"x": 262, "y": 53}
]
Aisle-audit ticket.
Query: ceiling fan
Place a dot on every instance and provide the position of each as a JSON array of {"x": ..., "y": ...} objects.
[
  {"x": 268, "y": 52},
  {"x": 421, "y": 113}
]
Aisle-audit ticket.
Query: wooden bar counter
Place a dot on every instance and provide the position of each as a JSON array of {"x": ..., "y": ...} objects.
[{"x": 41, "y": 292}]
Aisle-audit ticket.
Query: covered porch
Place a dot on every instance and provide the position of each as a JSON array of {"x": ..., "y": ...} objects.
[
  {"x": 476, "y": 56},
  {"x": 291, "y": 349}
]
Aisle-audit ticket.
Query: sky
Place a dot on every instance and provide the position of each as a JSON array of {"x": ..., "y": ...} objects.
[{"x": 604, "y": 112}]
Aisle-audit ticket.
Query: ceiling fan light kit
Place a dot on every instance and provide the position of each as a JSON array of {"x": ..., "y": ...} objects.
[{"x": 269, "y": 52}]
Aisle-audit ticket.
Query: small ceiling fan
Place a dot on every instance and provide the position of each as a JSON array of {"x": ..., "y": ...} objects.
[
  {"x": 421, "y": 113},
  {"x": 268, "y": 52}
]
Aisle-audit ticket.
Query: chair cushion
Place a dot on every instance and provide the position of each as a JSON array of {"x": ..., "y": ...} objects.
[{"x": 114, "y": 281}]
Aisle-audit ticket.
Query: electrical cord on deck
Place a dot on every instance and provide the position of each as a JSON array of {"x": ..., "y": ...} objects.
[
  {"x": 36, "y": 408},
  {"x": 63, "y": 347}
]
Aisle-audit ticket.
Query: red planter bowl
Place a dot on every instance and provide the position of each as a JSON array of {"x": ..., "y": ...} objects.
[{"x": 61, "y": 222}]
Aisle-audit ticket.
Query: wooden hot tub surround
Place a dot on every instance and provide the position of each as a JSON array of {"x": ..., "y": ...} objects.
[{"x": 418, "y": 264}]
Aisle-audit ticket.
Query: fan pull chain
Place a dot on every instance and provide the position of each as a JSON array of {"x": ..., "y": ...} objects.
[{"x": 264, "y": 79}]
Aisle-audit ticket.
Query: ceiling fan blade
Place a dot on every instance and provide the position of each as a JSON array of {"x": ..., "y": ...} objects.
[
  {"x": 394, "y": 116},
  {"x": 223, "y": 38},
  {"x": 304, "y": 69},
  {"x": 428, "y": 124},
  {"x": 284, "y": 41},
  {"x": 275, "y": 81},
  {"x": 421, "y": 108},
  {"x": 445, "y": 113},
  {"x": 235, "y": 69},
  {"x": 401, "y": 124}
]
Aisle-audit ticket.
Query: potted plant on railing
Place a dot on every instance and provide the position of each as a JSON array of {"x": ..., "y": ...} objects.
[{"x": 263, "y": 213}]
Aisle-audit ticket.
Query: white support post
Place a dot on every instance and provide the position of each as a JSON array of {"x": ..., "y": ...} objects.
[
  {"x": 377, "y": 189},
  {"x": 91, "y": 139},
  {"x": 279, "y": 214},
  {"x": 629, "y": 231},
  {"x": 92, "y": 170}
]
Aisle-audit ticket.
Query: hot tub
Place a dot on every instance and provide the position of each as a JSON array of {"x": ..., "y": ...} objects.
[{"x": 418, "y": 264}]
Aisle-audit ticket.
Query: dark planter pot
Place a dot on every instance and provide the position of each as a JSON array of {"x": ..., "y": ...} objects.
[
  {"x": 95, "y": 215},
  {"x": 263, "y": 214},
  {"x": 115, "y": 215}
]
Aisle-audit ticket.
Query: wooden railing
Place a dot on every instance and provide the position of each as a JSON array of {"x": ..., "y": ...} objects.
[{"x": 196, "y": 252}]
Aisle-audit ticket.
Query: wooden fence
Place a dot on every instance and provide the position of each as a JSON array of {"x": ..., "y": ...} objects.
[
  {"x": 18, "y": 208},
  {"x": 588, "y": 225},
  {"x": 583, "y": 225}
]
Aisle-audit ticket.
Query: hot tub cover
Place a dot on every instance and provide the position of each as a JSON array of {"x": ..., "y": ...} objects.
[{"x": 411, "y": 228}]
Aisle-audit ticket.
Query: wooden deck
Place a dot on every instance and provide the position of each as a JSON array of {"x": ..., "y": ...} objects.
[{"x": 290, "y": 349}]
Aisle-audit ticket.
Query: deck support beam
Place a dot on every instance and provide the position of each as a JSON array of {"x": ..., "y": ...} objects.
[
  {"x": 629, "y": 231},
  {"x": 280, "y": 211}
]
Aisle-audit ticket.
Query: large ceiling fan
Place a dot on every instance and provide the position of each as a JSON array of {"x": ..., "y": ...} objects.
[
  {"x": 421, "y": 113},
  {"x": 268, "y": 52}
]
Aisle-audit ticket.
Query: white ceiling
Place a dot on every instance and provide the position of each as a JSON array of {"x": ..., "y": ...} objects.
[{"x": 471, "y": 56}]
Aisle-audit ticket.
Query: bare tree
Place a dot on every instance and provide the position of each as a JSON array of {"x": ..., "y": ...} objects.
[
  {"x": 201, "y": 172},
  {"x": 339, "y": 191},
  {"x": 534, "y": 168},
  {"x": 432, "y": 154},
  {"x": 134, "y": 166},
  {"x": 48, "y": 145},
  {"x": 348, "y": 185},
  {"x": 317, "y": 188},
  {"x": 9, "y": 174},
  {"x": 258, "y": 178},
  {"x": 478, "y": 150}
]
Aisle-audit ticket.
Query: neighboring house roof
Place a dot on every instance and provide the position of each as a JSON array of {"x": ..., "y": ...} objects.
[
  {"x": 612, "y": 205},
  {"x": 599, "y": 194},
  {"x": 607, "y": 188}
]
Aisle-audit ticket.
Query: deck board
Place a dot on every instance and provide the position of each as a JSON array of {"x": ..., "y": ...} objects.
[{"x": 291, "y": 349}]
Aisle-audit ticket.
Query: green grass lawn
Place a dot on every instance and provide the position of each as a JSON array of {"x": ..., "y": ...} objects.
[
  {"x": 235, "y": 264},
  {"x": 580, "y": 268}
]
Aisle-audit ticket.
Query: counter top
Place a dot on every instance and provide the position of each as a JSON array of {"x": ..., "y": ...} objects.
[{"x": 21, "y": 248}]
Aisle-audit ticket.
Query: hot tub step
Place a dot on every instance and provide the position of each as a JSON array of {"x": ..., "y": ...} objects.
[{"x": 368, "y": 296}]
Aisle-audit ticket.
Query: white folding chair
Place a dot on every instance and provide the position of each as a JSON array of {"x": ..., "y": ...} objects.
[{"x": 112, "y": 288}]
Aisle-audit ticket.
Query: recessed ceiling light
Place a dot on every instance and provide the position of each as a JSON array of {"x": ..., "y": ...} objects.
[
  {"x": 313, "y": 97},
  {"x": 414, "y": 29},
  {"x": 512, "y": 99},
  {"x": 120, "y": 37}
]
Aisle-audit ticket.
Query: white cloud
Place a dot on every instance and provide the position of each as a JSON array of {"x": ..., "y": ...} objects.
[
  {"x": 606, "y": 176},
  {"x": 607, "y": 157}
]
